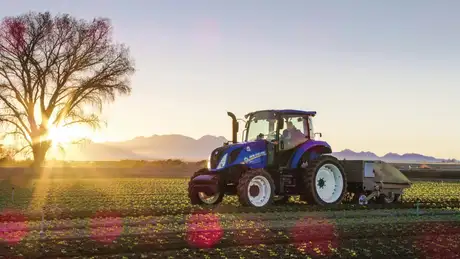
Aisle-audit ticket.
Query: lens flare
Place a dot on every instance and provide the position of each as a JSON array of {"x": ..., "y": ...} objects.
[
  {"x": 315, "y": 236},
  {"x": 438, "y": 239},
  {"x": 203, "y": 230},
  {"x": 106, "y": 226},
  {"x": 13, "y": 227}
]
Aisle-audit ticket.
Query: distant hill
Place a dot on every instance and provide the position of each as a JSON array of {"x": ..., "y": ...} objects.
[
  {"x": 390, "y": 157},
  {"x": 171, "y": 146},
  {"x": 91, "y": 151},
  {"x": 182, "y": 147},
  {"x": 147, "y": 148}
]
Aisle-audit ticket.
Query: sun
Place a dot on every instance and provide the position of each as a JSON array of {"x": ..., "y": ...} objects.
[{"x": 66, "y": 135}]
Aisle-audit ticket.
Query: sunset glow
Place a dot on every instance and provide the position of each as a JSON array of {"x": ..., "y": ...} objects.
[
  {"x": 229, "y": 129},
  {"x": 67, "y": 135}
]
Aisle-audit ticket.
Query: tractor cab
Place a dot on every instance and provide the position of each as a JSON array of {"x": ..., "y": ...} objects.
[
  {"x": 271, "y": 139},
  {"x": 283, "y": 130},
  {"x": 268, "y": 124}
]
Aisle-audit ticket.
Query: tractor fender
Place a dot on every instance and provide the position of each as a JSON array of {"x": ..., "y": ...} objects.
[
  {"x": 230, "y": 174},
  {"x": 313, "y": 147}
]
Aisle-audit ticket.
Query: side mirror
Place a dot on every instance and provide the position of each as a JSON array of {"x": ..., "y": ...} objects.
[{"x": 319, "y": 133}]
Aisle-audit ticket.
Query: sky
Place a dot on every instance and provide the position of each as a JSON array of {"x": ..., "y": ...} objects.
[{"x": 382, "y": 75}]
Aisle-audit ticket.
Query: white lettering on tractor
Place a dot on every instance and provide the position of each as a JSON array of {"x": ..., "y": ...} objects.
[{"x": 254, "y": 156}]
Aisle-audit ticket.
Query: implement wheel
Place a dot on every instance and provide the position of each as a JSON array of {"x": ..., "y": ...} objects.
[{"x": 392, "y": 198}]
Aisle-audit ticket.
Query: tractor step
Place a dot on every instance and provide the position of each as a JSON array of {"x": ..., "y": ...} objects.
[{"x": 287, "y": 183}]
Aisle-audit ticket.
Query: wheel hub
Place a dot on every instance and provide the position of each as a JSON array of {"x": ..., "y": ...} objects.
[
  {"x": 329, "y": 183},
  {"x": 254, "y": 190},
  {"x": 259, "y": 191},
  {"x": 321, "y": 183}
]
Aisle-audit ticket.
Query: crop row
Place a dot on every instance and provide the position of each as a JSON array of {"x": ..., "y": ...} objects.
[
  {"x": 156, "y": 197},
  {"x": 132, "y": 217},
  {"x": 286, "y": 209},
  {"x": 174, "y": 188},
  {"x": 313, "y": 236},
  {"x": 378, "y": 248},
  {"x": 161, "y": 191},
  {"x": 13, "y": 222}
]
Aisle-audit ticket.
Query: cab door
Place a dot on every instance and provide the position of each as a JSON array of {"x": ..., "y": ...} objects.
[
  {"x": 277, "y": 145},
  {"x": 272, "y": 144}
]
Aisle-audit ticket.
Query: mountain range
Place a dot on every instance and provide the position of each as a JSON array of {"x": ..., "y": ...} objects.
[{"x": 190, "y": 149}]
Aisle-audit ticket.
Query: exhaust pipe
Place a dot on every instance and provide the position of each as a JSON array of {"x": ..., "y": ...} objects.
[{"x": 234, "y": 126}]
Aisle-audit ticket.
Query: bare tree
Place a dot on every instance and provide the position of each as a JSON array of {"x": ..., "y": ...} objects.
[
  {"x": 6, "y": 154},
  {"x": 51, "y": 67}
]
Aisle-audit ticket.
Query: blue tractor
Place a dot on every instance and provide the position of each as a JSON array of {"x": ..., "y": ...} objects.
[{"x": 278, "y": 157}]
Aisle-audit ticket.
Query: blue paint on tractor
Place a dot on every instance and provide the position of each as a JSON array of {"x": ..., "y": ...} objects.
[{"x": 252, "y": 154}]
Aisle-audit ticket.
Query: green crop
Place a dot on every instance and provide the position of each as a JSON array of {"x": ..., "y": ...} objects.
[{"x": 152, "y": 217}]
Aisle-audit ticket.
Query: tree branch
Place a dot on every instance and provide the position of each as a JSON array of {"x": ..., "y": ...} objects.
[{"x": 52, "y": 66}]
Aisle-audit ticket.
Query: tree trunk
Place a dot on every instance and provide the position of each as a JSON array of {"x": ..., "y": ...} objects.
[
  {"x": 39, "y": 151},
  {"x": 40, "y": 146}
]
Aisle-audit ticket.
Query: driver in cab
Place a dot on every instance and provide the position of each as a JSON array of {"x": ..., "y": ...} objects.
[{"x": 292, "y": 136}]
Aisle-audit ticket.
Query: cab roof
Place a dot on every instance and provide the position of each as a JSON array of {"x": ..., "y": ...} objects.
[{"x": 287, "y": 112}]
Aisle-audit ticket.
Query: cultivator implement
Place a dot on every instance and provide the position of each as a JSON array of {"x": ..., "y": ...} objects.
[{"x": 369, "y": 180}]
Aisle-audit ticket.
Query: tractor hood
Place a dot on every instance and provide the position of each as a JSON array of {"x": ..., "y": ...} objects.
[{"x": 240, "y": 153}]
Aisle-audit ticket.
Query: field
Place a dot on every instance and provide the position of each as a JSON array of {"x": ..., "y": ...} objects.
[{"x": 126, "y": 217}]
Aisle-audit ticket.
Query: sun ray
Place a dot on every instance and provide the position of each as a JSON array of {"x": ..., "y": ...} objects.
[
  {"x": 41, "y": 190},
  {"x": 62, "y": 138}
]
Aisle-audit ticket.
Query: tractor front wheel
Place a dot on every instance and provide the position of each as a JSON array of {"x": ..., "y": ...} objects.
[
  {"x": 325, "y": 181},
  {"x": 256, "y": 188}
]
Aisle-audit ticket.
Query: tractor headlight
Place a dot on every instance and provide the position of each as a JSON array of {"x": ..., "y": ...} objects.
[
  {"x": 222, "y": 162},
  {"x": 208, "y": 164}
]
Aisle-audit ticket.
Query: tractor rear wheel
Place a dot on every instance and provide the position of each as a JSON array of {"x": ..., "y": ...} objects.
[
  {"x": 325, "y": 181},
  {"x": 200, "y": 198},
  {"x": 256, "y": 188}
]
